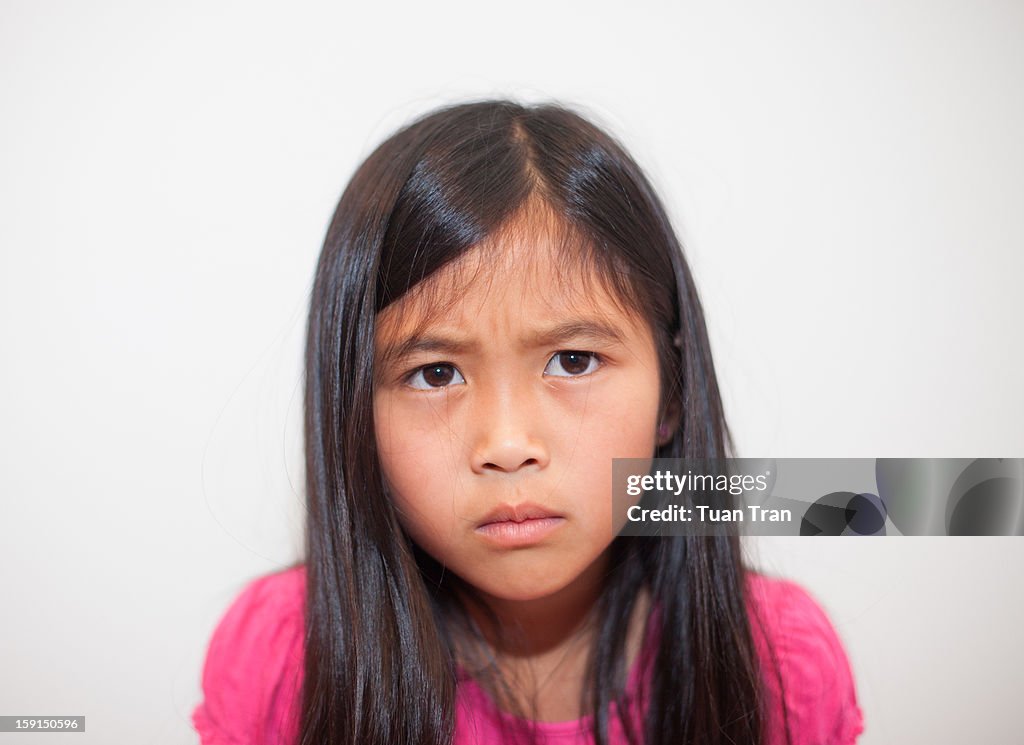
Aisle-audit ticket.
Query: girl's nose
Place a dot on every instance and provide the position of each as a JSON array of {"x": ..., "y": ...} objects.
[{"x": 506, "y": 435}]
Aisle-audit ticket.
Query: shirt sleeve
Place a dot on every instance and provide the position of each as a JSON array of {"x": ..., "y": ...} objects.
[
  {"x": 253, "y": 669},
  {"x": 806, "y": 669}
]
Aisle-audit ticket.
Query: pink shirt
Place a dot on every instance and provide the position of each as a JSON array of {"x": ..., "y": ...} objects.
[{"x": 253, "y": 673}]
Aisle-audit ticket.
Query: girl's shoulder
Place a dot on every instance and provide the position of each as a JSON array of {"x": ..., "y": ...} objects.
[
  {"x": 253, "y": 669},
  {"x": 805, "y": 665}
]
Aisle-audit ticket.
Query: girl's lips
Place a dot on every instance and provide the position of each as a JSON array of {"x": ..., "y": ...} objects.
[
  {"x": 512, "y": 533},
  {"x": 519, "y": 525},
  {"x": 517, "y": 513}
]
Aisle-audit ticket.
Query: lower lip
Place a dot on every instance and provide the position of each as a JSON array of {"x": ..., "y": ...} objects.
[{"x": 510, "y": 534}]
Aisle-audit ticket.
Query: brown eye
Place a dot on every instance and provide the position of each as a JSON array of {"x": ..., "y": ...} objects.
[
  {"x": 572, "y": 364},
  {"x": 435, "y": 376}
]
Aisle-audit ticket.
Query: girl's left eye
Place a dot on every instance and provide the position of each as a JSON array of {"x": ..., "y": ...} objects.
[{"x": 572, "y": 364}]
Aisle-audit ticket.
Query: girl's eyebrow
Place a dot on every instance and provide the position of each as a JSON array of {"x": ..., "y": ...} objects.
[
  {"x": 583, "y": 329},
  {"x": 429, "y": 343},
  {"x": 579, "y": 330}
]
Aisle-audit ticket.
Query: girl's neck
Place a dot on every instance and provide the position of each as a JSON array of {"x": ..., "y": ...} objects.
[{"x": 542, "y": 647}]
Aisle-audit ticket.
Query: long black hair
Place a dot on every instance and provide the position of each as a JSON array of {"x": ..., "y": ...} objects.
[{"x": 379, "y": 656}]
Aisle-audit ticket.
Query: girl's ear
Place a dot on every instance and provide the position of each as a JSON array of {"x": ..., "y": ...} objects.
[{"x": 669, "y": 421}]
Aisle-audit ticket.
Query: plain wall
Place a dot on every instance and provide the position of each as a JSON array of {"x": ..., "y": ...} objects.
[{"x": 846, "y": 177}]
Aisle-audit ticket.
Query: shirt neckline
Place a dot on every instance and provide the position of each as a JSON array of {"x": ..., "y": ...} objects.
[{"x": 571, "y": 726}]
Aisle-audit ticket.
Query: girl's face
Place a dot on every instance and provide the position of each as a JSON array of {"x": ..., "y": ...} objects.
[{"x": 497, "y": 419}]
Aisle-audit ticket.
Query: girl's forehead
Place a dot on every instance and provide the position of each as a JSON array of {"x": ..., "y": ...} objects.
[{"x": 518, "y": 276}]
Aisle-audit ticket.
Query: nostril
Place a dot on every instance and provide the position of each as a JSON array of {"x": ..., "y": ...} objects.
[{"x": 496, "y": 467}]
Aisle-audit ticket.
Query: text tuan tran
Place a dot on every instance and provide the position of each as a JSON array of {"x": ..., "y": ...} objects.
[{"x": 754, "y": 513}]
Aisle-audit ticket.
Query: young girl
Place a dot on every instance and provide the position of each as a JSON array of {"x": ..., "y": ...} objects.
[{"x": 500, "y": 309}]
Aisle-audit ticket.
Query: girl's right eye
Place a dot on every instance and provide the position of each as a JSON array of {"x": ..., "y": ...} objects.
[{"x": 440, "y": 375}]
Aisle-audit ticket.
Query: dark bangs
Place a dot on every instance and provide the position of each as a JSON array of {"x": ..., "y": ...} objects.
[{"x": 500, "y": 183}]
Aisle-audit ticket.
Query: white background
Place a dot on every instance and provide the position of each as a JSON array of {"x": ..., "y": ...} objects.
[{"x": 847, "y": 178}]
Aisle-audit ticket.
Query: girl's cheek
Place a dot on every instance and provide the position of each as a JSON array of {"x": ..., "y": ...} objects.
[
  {"x": 428, "y": 427},
  {"x": 417, "y": 443}
]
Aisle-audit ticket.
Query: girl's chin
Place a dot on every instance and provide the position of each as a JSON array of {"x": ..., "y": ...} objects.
[
  {"x": 522, "y": 590},
  {"x": 521, "y": 595}
]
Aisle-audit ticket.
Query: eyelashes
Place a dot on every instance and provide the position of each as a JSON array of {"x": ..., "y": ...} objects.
[
  {"x": 574, "y": 364},
  {"x": 566, "y": 364},
  {"x": 439, "y": 375}
]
